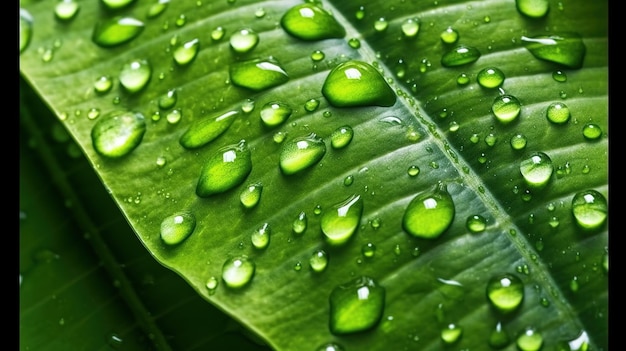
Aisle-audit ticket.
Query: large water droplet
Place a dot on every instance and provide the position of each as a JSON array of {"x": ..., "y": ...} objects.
[
  {"x": 460, "y": 55},
  {"x": 592, "y": 131},
  {"x": 558, "y": 113},
  {"x": 116, "y": 31},
  {"x": 274, "y": 113},
  {"x": 207, "y": 129},
  {"x": 244, "y": 40},
  {"x": 429, "y": 214},
  {"x": 65, "y": 10},
  {"x": 311, "y": 22},
  {"x": 26, "y": 29},
  {"x": 529, "y": 340},
  {"x": 258, "y": 74},
  {"x": 341, "y": 220},
  {"x": 566, "y": 49},
  {"x": 251, "y": 195},
  {"x": 116, "y": 4},
  {"x": 505, "y": 292},
  {"x": 301, "y": 153},
  {"x": 356, "y": 306},
  {"x": 590, "y": 209},
  {"x": 506, "y": 108},
  {"x": 537, "y": 169},
  {"x": 533, "y": 8},
  {"x": 177, "y": 227},
  {"x": 118, "y": 133},
  {"x": 225, "y": 169},
  {"x": 490, "y": 77},
  {"x": 135, "y": 75},
  {"x": 238, "y": 271},
  {"x": 357, "y": 83},
  {"x": 185, "y": 53}
]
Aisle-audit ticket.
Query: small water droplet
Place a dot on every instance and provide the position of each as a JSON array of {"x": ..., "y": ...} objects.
[
  {"x": 211, "y": 284},
  {"x": 460, "y": 55},
  {"x": 251, "y": 195},
  {"x": 558, "y": 113},
  {"x": 261, "y": 236},
  {"x": 103, "y": 84},
  {"x": 451, "y": 333},
  {"x": 518, "y": 142},
  {"x": 360, "y": 13},
  {"x": 218, "y": 33},
  {"x": 168, "y": 100},
  {"x": 318, "y": 261},
  {"x": 317, "y": 55},
  {"x": 413, "y": 170},
  {"x": 301, "y": 153},
  {"x": 537, "y": 169},
  {"x": 157, "y": 8},
  {"x": 341, "y": 137},
  {"x": 118, "y": 133},
  {"x": 529, "y": 340},
  {"x": 356, "y": 83},
  {"x": 381, "y": 24},
  {"x": 244, "y": 40},
  {"x": 116, "y": 4},
  {"x": 300, "y": 223},
  {"x": 592, "y": 131},
  {"x": 499, "y": 337},
  {"x": 177, "y": 227},
  {"x": 258, "y": 74},
  {"x": 566, "y": 49},
  {"x": 26, "y": 29},
  {"x": 311, "y": 22},
  {"x": 207, "y": 129},
  {"x": 174, "y": 116},
  {"x": 533, "y": 8},
  {"x": 462, "y": 79},
  {"x": 490, "y": 77},
  {"x": 225, "y": 169},
  {"x": 238, "y": 271},
  {"x": 476, "y": 223},
  {"x": 430, "y": 213},
  {"x": 186, "y": 52},
  {"x": 135, "y": 75},
  {"x": 275, "y": 113},
  {"x": 368, "y": 250},
  {"x": 505, "y": 292},
  {"x": 340, "y": 221},
  {"x": 66, "y": 10},
  {"x": 311, "y": 105},
  {"x": 559, "y": 76},
  {"x": 590, "y": 209},
  {"x": 506, "y": 108},
  {"x": 362, "y": 297},
  {"x": 449, "y": 35},
  {"x": 116, "y": 31}
]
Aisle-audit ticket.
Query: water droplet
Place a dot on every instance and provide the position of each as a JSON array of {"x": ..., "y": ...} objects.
[
  {"x": 499, "y": 337},
  {"x": 261, "y": 236},
  {"x": 354, "y": 43},
  {"x": 518, "y": 142},
  {"x": 592, "y": 131},
  {"x": 340, "y": 221},
  {"x": 491, "y": 139},
  {"x": 225, "y": 169},
  {"x": 490, "y": 77},
  {"x": 218, "y": 33},
  {"x": 116, "y": 4},
  {"x": 381, "y": 24},
  {"x": 451, "y": 333},
  {"x": 248, "y": 105},
  {"x": 26, "y": 29},
  {"x": 460, "y": 55},
  {"x": 244, "y": 40},
  {"x": 462, "y": 79},
  {"x": 529, "y": 340},
  {"x": 116, "y": 31},
  {"x": 118, "y": 133},
  {"x": 476, "y": 223},
  {"x": 157, "y": 8},
  {"x": 93, "y": 113},
  {"x": 318, "y": 261},
  {"x": 258, "y": 74},
  {"x": 532, "y": 8},
  {"x": 251, "y": 195},
  {"x": 368, "y": 250},
  {"x": 330, "y": 347},
  {"x": 174, "y": 116},
  {"x": 360, "y": 13},
  {"x": 506, "y": 108},
  {"x": 177, "y": 227},
  {"x": 185, "y": 53},
  {"x": 505, "y": 292},
  {"x": 135, "y": 75},
  {"x": 275, "y": 113},
  {"x": 429, "y": 214},
  {"x": 205, "y": 130},
  {"x": 410, "y": 27},
  {"x": 559, "y": 76},
  {"x": 413, "y": 171},
  {"x": 168, "y": 100},
  {"x": 311, "y": 22},
  {"x": 311, "y": 105},
  {"x": 558, "y": 113},
  {"x": 449, "y": 35},
  {"x": 301, "y": 153},
  {"x": 300, "y": 223},
  {"x": 211, "y": 284},
  {"x": 356, "y": 83},
  {"x": 537, "y": 169},
  {"x": 317, "y": 55},
  {"x": 103, "y": 84},
  {"x": 65, "y": 10},
  {"x": 181, "y": 20},
  {"x": 341, "y": 137},
  {"x": 356, "y": 306},
  {"x": 566, "y": 49},
  {"x": 238, "y": 271},
  {"x": 590, "y": 209}
]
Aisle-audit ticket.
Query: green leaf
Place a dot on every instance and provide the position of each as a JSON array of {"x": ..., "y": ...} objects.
[{"x": 442, "y": 123}]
